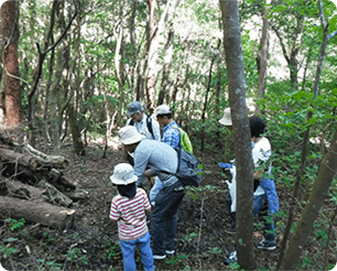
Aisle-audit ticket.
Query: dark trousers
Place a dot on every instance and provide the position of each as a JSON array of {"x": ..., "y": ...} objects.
[{"x": 164, "y": 218}]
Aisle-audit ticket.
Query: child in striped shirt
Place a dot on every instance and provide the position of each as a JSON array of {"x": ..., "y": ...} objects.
[{"x": 128, "y": 209}]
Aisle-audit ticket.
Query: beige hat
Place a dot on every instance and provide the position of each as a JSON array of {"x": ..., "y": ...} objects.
[
  {"x": 227, "y": 118},
  {"x": 123, "y": 174},
  {"x": 162, "y": 110},
  {"x": 129, "y": 135}
]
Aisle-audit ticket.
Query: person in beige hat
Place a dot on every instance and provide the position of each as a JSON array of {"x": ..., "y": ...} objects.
[
  {"x": 128, "y": 209},
  {"x": 162, "y": 161}
]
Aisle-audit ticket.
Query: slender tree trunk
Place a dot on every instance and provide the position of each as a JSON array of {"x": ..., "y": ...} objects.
[
  {"x": 166, "y": 68},
  {"x": 203, "y": 116},
  {"x": 316, "y": 200},
  {"x": 306, "y": 136},
  {"x": 156, "y": 38},
  {"x": 11, "y": 84},
  {"x": 242, "y": 142},
  {"x": 263, "y": 56}
]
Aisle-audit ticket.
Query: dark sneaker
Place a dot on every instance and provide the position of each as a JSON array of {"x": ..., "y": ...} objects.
[
  {"x": 267, "y": 245},
  {"x": 170, "y": 252},
  {"x": 232, "y": 258},
  {"x": 159, "y": 257},
  {"x": 231, "y": 230}
]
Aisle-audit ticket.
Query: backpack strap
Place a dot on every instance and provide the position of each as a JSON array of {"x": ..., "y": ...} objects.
[{"x": 149, "y": 124}]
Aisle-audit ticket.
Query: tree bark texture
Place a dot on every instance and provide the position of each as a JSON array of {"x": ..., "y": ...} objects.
[
  {"x": 316, "y": 199},
  {"x": 36, "y": 212},
  {"x": 241, "y": 130},
  {"x": 306, "y": 136},
  {"x": 10, "y": 32},
  {"x": 263, "y": 56}
]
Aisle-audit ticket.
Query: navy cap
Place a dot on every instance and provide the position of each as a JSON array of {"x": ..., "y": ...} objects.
[{"x": 134, "y": 107}]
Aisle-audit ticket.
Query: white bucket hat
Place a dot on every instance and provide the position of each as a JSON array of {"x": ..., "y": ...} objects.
[
  {"x": 129, "y": 135},
  {"x": 123, "y": 174},
  {"x": 227, "y": 118},
  {"x": 162, "y": 110}
]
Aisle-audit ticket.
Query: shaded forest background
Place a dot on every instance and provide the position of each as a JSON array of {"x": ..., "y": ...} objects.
[{"x": 77, "y": 64}]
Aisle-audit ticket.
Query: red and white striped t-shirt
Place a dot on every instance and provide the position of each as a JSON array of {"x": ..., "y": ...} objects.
[{"x": 130, "y": 214}]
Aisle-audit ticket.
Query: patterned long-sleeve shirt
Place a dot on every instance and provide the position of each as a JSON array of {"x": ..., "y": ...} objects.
[{"x": 130, "y": 214}]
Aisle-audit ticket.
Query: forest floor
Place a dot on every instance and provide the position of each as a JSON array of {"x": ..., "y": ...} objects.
[{"x": 92, "y": 244}]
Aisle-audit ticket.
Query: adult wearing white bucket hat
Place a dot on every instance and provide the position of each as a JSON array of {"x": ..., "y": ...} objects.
[
  {"x": 159, "y": 157},
  {"x": 128, "y": 208}
]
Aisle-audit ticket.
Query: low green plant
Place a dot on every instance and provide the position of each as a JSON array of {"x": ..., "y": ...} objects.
[
  {"x": 174, "y": 260},
  {"x": 75, "y": 253},
  {"x": 112, "y": 250},
  {"x": 7, "y": 250},
  {"x": 15, "y": 224},
  {"x": 190, "y": 235}
]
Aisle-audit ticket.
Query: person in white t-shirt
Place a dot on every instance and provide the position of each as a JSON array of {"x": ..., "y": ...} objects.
[{"x": 265, "y": 201}]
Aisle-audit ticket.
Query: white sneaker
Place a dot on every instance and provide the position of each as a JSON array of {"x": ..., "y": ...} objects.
[{"x": 159, "y": 257}]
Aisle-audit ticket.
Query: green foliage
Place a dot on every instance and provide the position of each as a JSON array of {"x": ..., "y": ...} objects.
[
  {"x": 76, "y": 254},
  {"x": 7, "y": 250},
  {"x": 113, "y": 251},
  {"x": 174, "y": 260},
  {"x": 15, "y": 224}
]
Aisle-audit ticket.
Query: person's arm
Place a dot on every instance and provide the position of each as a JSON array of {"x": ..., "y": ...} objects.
[
  {"x": 141, "y": 160},
  {"x": 114, "y": 214}
]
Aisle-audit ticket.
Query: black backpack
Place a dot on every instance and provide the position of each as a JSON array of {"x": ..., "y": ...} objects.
[
  {"x": 148, "y": 124},
  {"x": 189, "y": 170}
]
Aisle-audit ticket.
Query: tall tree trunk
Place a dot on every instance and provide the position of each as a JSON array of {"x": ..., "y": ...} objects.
[
  {"x": 316, "y": 200},
  {"x": 166, "y": 68},
  {"x": 75, "y": 131},
  {"x": 291, "y": 56},
  {"x": 203, "y": 116},
  {"x": 263, "y": 54},
  {"x": 241, "y": 130},
  {"x": 11, "y": 84},
  {"x": 151, "y": 71},
  {"x": 306, "y": 137},
  {"x": 156, "y": 36},
  {"x": 119, "y": 64}
]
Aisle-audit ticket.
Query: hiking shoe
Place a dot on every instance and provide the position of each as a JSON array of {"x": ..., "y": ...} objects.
[
  {"x": 232, "y": 258},
  {"x": 170, "y": 252},
  {"x": 231, "y": 230},
  {"x": 267, "y": 245},
  {"x": 159, "y": 257}
]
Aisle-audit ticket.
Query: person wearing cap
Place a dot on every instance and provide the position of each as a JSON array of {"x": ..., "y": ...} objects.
[
  {"x": 140, "y": 120},
  {"x": 128, "y": 209},
  {"x": 162, "y": 161},
  {"x": 171, "y": 136}
]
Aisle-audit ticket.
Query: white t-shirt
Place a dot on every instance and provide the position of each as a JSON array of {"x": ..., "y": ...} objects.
[{"x": 261, "y": 153}]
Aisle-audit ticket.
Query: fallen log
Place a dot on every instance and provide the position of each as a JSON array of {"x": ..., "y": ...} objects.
[
  {"x": 36, "y": 212},
  {"x": 54, "y": 195},
  {"x": 56, "y": 177},
  {"x": 56, "y": 161},
  {"x": 44, "y": 192},
  {"x": 23, "y": 159}
]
